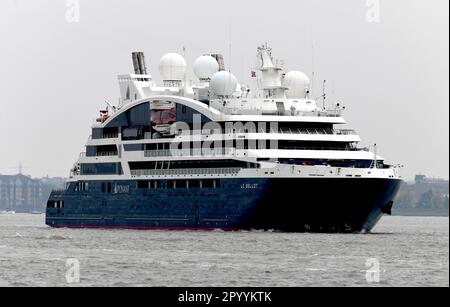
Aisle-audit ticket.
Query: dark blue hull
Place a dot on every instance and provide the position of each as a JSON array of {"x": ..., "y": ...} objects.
[{"x": 292, "y": 205}]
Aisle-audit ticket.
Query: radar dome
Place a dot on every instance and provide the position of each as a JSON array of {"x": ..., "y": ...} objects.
[
  {"x": 205, "y": 67},
  {"x": 223, "y": 83},
  {"x": 172, "y": 67},
  {"x": 297, "y": 83}
]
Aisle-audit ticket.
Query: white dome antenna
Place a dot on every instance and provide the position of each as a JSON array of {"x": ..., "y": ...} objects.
[
  {"x": 298, "y": 85},
  {"x": 205, "y": 67},
  {"x": 172, "y": 68},
  {"x": 223, "y": 83}
]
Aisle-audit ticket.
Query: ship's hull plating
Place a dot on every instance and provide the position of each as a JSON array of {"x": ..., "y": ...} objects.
[{"x": 291, "y": 205}]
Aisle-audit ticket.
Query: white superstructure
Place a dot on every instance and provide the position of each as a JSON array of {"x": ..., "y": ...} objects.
[{"x": 277, "y": 130}]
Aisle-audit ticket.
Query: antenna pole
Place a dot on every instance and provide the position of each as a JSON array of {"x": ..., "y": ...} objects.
[
  {"x": 375, "y": 156},
  {"x": 312, "y": 63},
  {"x": 324, "y": 95},
  {"x": 184, "y": 55},
  {"x": 230, "y": 46}
]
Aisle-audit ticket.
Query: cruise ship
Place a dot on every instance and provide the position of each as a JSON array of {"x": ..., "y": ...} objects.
[{"x": 210, "y": 153}]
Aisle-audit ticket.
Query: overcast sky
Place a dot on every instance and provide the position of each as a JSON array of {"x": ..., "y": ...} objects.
[{"x": 390, "y": 69}]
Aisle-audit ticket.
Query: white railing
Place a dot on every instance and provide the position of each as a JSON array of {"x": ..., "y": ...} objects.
[
  {"x": 314, "y": 131},
  {"x": 261, "y": 111},
  {"x": 346, "y": 132},
  {"x": 305, "y": 131},
  {"x": 194, "y": 171},
  {"x": 107, "y": 154},
  {"x": 110, "y": 136},
  {"x": 219, "y": 152},
  {"x": 105, "y": 136}
]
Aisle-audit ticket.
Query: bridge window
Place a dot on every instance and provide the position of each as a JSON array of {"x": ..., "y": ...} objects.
[
  {"x": 149, "y": 185},
  {"x": 55, "y": 204},
  {"x": 101, "y": 169},
  {"x": 194, "y": 184},
  {"x": 106, "y": 187},
  {"x": 82, "y": 186},
  {"x": 105, "y": 133}
]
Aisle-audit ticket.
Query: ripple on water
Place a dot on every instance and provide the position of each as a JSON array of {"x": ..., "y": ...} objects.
[{"x": 410, "y": 251}]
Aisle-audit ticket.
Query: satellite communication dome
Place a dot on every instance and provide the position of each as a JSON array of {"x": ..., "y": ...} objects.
[
  {"x": 205, "y": 67},
  {"x": 172, "y": 67},
  {"x": 297, "y": 83},
  {"x": 223, "y": 83}
]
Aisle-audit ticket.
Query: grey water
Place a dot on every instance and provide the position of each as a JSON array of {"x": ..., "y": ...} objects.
[{"x": 401, "y": 251}]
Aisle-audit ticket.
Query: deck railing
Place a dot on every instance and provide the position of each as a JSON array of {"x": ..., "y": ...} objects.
[
  {"x": 230, "y": 152},
  {"x": 194, "y": 171},
  {"x": 322, "y": 148},
  {"x": 107, "y": 154},
  {"x": 60, "y": 190},
  {"x": 314, "y": 131},
  {"x": 261, "y": 111},
  {"x": 110, "y": 136},
  {"x": 105, "y": 136},
  {"x": 305, "y": 131},
  {"x": 190, "y": 152}
]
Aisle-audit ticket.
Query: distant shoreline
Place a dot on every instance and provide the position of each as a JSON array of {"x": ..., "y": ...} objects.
[{"x": 421, "y": 212}]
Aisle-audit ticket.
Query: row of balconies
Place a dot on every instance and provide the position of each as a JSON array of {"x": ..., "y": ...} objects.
[
  {"x": 309, "y": 131},
  {"x": 196, "y": 171}
]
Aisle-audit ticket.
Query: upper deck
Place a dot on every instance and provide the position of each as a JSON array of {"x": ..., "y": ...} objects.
[
  {"x": 214, "y": 113},
  {"x": 277, "y": 123}
]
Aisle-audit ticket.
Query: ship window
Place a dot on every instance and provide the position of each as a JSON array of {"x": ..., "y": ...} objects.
[
  {"x": 148, "y": 185},
  {"x": 208, "y": 184},
  {"x": 217, "y": 184},
  {"x": 101, "y": 169},
  {"x": 129, "y": 133},
  {"x": 142, "y": 184},
  {"x": 106, "y": 187},
  {"x": 59, "y": 204},
  {"x": 165, "y": 115},
  {"x": 176, "y": 165},
  {"x": 82, "y": 186},
  {"x": 177, "y": 184},
  {"x": 181, "y": 184},
  {"x": 194, "y": 184}
]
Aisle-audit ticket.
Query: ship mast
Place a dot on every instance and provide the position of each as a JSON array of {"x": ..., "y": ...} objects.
[{"x": 271, "y": 74}]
